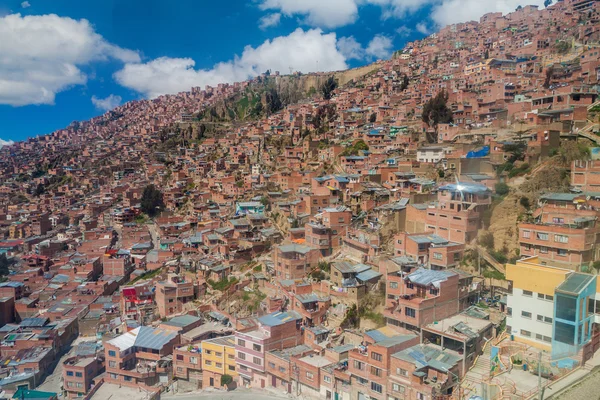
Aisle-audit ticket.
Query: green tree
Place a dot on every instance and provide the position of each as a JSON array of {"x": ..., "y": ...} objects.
[
  {"x": 436, "y": 111},
  {"x": 373, "y": 118},
  {"x": 328, "y": 87},
  {"x": 486, "y": 239},
  {"x": 5, "y": 263},
  {"x": 152, "y": 201},
  {"x": 39, "y": 190},
  {"x": 502, "y": 188},
  {"x": 404, "y": 84},
  {"x": 273, "y": 101}
]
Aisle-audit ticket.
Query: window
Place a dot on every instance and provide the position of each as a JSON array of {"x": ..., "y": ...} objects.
[
  {"x": 256, "y": 347},
  {"x": 271, "y": 365},
  {"x": 525, "y": 333},
  {"x": 241, "y": 342},
  {"x": 540, "y": 318},
  {"x": 326, "y": 379},
  {"x": 376, "y": 387},
  {"x": 231, "y": 356},
  {"x": 543, "y": 249},
  {"x": 218, "y": 354},
  {"x": 242, "y": 356},
  {"x": 231, "y": 367},
  {"x": 112, "y": 364},
  {"x": 207, "y": 352},
  {"x": 561, "y": 252},
  {"x": 437, "y": 256},
  {"x": 558, "y": 220},
  {"x": 393, "y": 285},
  {"x": 309, "y": 376},
  {"x": 547, "y": 339},
  {"x": 526, "y": 234},
  {"x": 549, "y": 297},
  {"x": 541, "y": 236},
  {"x": 375, "y": 371},
  {"x": 401, "y": 372},
  {"x": 180, "y": 357},
  {"x": 194, "y": 360},
  {"x": 78, "y": 374},
  {"x": 257, "y": 361},
  {"x": 113, "y": 376},
  {"x": 526, "y": 314},
  {"x": 219, "y": 365},
  {"x": 70, "y": 373},
  {"x": 281, "y": 369},
  {"x": 361, "y": 380},
  {"x": 376, "y": 356},
  {"x": 561, "y": 238},
  {"x": 509, "y": 311},
  {"x": 207, "y": 362},
  {"x": 541, "y": 296},
  {"x": 112, "y": 353},
  {"x": 548, "y": 320},
  {"x": 398, "y": 388},
  {"x": 358, "y": 365},
  {"x": 410, "y": 312},
  {"x": 527, "y": 293}
]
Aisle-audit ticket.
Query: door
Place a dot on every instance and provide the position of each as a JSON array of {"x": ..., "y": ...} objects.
[
  {"x": 212, "y": 382},
  {"x": 361, "y": 396},
  {"x": 274, "y": 381}
]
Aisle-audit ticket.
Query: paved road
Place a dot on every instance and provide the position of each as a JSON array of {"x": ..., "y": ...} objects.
[
  {"x": 238, "y": 394},
  {"x": 587, "y": 389}
]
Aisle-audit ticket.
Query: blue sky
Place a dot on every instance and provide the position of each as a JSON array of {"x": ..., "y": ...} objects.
[{"x": 66, "y": 60}]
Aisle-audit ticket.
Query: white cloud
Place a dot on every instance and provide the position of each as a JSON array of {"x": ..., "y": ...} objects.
[
  {"x": 399, "y": 8},
  {"x": 454, "y": 11},
  {"x": 403, "y": 31},
  {"x": 269, "y": 20},
  {"x": 321, "y": 13},
  {"x": 422, "y": 28},
  {"x": 350, "y": 48},
  {"x": 306, "y": 51},
  {"x": 380, "y": 47},
  {"x": 107, "y": 103},
  {"x": 25, "y": 4},
  {"x": 6, "y": 142},
  {"x": 41, "y": 56}
]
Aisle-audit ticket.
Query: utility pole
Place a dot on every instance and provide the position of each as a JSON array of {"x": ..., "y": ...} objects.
[{"x": 540, "y": 389}]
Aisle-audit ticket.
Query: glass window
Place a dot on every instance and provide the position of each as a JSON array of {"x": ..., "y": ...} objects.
[
  {"x": 526, "y": 234},
  {"x": 541, "y": 236},
  {"x": 393, "y": 285},
  {"x": 527, "y": 293},
  {"x": 410, "y": 312},
  {"x": 525, "y": 333},
  {"x": 241, "y": 342},
  {"x": 112, "y": 353},
  {"x": 70, "y": 373},
  {"x": 526, "y": 314},
  {"x": 376, "y": 356},
  {"x": 376, "y": 387},
  {"x": 401, "y": 372},
  {"x": 561, "y": 238}
]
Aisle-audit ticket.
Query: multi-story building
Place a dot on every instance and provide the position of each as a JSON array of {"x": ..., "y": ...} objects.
[
  {"x": 140, "y": 357},
  {"x": 429, "y": 249},
  {"x": 564, "y": 231},
  {"x": 421, "y": 297},
  {"x": 456, "y": 216},
  {"x": 187, "y": 363},
  {"x": 294, "y": 261},
  {"x": 279, "y": 368},
  {"x": 40, "y": 223},
  {"x": 585, "y": 175},
  {"x": 218, "y": 360},
  {"x": 275, "y": 331},
  {"x": 78, "y": 374},
  {"x": 551, "y": 308},
  {"x": 172, "y": 294},
  {"x": 327, "y": 229},
  {"x": 423, "y": 372},
  {"x": 369, "y": 364},
  {"x": 137, "y": 303}
]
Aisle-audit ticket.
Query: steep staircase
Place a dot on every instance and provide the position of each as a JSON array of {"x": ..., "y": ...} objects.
[
  {"x": 478, "y": 373},
  {"x": 491, "y": 260}
]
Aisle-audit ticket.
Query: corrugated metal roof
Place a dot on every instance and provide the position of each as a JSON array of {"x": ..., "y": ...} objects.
[{"x": 425, "y": 277}]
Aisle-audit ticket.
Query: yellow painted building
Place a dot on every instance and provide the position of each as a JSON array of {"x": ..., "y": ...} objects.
[
  {"x": 218, "y": 359},
  {"x": 551, "y": 308}
]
